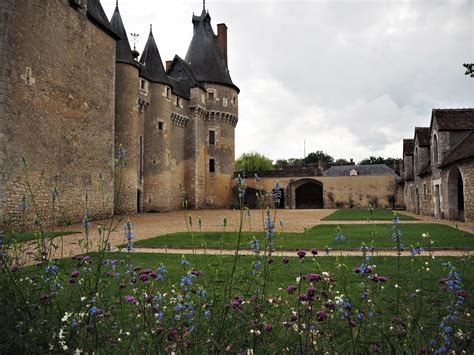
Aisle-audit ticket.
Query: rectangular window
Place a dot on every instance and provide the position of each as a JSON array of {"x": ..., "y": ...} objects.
[
  {"x": 212, "y": 166},
  {"x": 424, "y": 191},
  {"x": 224, "y": 102},
  {"x": 168, "y": 92},
  {"x": 161, "y": 126},
  {"x": 143, "y": 87},
  {"x": 212, "y": 137},
  {"x": 179, "y": 102},
  {"x": 211, "y": 95}
]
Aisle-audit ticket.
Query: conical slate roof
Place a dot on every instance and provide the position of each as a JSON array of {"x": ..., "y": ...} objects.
[
  {"x": 153, "y": 69},
  {"x": 204, "y": 55},
  {"x": 124, "y": 52},
  {"x": 97, "y": 14}
]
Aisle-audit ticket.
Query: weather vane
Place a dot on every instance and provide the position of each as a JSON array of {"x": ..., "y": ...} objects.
[
  {"x": 135, "y": 40},
  {"x": 204, "y": 5}
]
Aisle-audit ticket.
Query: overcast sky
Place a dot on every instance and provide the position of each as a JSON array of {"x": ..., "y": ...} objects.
[{"x": 351, "y": 78}]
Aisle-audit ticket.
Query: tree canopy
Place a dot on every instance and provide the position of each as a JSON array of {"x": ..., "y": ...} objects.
[
  {"x": 391, "y": 162},
  {"x": 253, "y": 161}
]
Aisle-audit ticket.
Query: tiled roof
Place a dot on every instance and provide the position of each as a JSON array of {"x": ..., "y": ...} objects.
[
  {"x": 96, "y": 13},
  {"x": 344, "y": 170},
  {"x": 464, "y": 150},
  {"x": 124, "y": 52},
  {"x": 204, "y": 55},
  {"x": 424, "y": 136},
  {"x": 453, "y": 119},
  {"x": 153, "y": 69},
  {"x": 408, "y": 146}
]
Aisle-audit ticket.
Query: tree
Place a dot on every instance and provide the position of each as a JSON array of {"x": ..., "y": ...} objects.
[
  {"x": 390, "y": 162},
  {"x": 318, "y": 156},
  {"x": 469, "y": 69},
  {"x": 341, "y": 162},
  {"x": 253, "y": 161},
  {"x": 281, "y": 163}
]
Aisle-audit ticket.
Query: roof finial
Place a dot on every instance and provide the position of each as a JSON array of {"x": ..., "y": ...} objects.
[
  {"x": 203, "y": 5},
  {"x": 151, "y": 28}
]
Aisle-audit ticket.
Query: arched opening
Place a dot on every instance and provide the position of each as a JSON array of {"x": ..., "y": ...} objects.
[
  {"x": 309, "y": 195},
  {"x": 417, "y": 192},
  {"x": 455, "y": 195}
]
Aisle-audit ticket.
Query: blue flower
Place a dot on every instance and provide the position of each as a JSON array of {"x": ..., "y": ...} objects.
[
  {"x": 93, "y": 310},
  {"x": 207, "y": 314},
  {"x": 160, "y": 316}
]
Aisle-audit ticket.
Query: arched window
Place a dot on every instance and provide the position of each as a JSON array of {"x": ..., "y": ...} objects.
[{"x": 435, "y": 148}]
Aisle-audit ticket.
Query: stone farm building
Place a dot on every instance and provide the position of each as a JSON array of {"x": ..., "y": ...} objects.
[
  {"x": 347, "y": 186},
  {"x": 439, "y": 166},
  {"x": 72, "y": 90}
]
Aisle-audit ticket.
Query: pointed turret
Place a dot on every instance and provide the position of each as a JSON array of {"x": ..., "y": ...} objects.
[
  {"x": 153, "y": 69},
  {"x": 204, "y": 55},
  {"x": 124, "y": 51}
]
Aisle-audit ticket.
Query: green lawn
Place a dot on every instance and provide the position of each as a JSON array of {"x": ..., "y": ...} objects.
[
  {"x": 364, "y": 214},
  {"x": 216, "y": 270},
  {"x": 321, "y": 236},
  {"x": 19, "y": 237}
]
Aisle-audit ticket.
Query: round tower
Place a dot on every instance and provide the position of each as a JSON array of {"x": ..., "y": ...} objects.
[{"x": 128, "y": 127}]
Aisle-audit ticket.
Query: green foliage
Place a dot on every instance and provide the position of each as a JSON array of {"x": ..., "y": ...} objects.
[
  {"x": 341, "y": 162},
  {"x": 253, "y": 161},
  {"x": 319, "y": 236},
  {"x": 390, "y": 162},
  {"x": 318, "y": 156},
  {"x": 469, "y": 69}
]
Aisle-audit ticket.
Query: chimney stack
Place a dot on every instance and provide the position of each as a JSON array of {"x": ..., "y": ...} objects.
[
  {"x": 222, "y": 40},
  {"x": 168, "y": 65},
  {"x": 401, "y": 168}
]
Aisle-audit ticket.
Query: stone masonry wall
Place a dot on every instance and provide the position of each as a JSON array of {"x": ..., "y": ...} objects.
[
  {"x": 343, "y": 191},
  {"x": 59, "y": 113},
  {"x": 4, "y": 15},
  {"x": 128, "y": 128}
]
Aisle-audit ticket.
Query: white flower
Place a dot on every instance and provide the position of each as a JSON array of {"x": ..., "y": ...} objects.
[
  {"x": 459, "y": 334},
  {"x": 298, "y": 279},
  {"x": 77, "y": 351},
  {"x": 61, "y": 334},
  {"x": 83, "y": 298},
  {"x": 66, "y": 316}
]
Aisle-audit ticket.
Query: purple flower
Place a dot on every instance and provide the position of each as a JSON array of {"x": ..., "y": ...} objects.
[
  {"x": 303, "y": 298},
  {"x": 143, "y": 277},
  {"x": 314, "y": 252},
  {"x": 74, "y": 274},
  {"x": 311, "y": 291},
  {"x": 268, "y": 327},
  {"x": 131, "y": 299},
  {"x": 301, "y": 254},
  {"x": 321, "y": 315},
  {"x": 313, "y": 277},
  {"x": 286, "y": 260},
  {"x": 291, "y": 289},
  {"x": 236, "y": 302}
]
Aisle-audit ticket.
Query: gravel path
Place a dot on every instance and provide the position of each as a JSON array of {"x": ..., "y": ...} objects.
[{"x": 150, "y": 225}]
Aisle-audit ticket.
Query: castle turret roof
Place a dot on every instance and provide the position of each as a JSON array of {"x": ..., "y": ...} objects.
[
  {"x": 204, "y": 55},
  {"x": 97, "y": 15},
  {"x": 124, "y": 52},
  {"x": 153, "y": 69}
]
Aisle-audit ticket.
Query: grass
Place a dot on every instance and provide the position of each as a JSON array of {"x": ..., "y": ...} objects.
[
  {"x": 20, "y": 237},
  {"x": 321, "y": 236},
  {"x": 216, "y": 270},
  {"x": 364, "y": 214}
]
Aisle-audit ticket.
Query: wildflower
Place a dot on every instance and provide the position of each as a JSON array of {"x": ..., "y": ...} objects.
[
  {"x": 301, "y": 254},
  {"x": 277, "y": 194},
  {"x": 131, "y": 299},
  {"x": 236, "y": 302},
  {"x": 313, "y": 277},
  {"x": 207, "y": 314},
  {"x": 311, "y": 291},
  {"x": 285, "y": 260},
  {"x": 339, "y": 236},
  {"x": 416, "y": 251},
  {"x": 127, "y": 227},
  {"x": 291, "y": 289},
  {"x": 321, "y": 315},
  {"x": 268, "y": 327},
  {"x": 314, "y": 252},
  {"x": 86, "y": 220},
  {"x": 23, "y": 204},
  {"x": 255, "y": 245},
  {"x": 93, "y": 310},
  {"x": 74, "y": 274},
  {"x": 120, "y": 152}
]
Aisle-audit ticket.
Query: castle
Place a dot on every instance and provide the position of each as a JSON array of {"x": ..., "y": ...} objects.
[
  {"x": 73, "y": 92},
  {"x": 439, "y": 166}
]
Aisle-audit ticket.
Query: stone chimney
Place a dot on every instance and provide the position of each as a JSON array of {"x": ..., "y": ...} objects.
[
  {"x": 168, "y": 64},
  {"x": 222, "y": 40},
  {"x": 400, "y": 167}
]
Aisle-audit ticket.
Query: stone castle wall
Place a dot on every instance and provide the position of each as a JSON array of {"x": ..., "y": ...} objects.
[
  {"x": 344, "y": 191},
  {"x": 59, "y": 113}
]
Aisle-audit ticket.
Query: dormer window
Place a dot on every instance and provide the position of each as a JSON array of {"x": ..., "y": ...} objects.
[{"x": 143, "y": 87}]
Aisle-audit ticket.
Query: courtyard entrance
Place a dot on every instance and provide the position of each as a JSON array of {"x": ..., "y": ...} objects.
[{"x": 309, "y": 195}]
